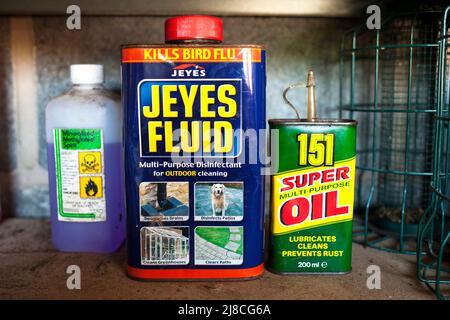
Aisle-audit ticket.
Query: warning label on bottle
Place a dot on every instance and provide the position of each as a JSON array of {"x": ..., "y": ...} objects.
[{"x": 79, "y": 175}]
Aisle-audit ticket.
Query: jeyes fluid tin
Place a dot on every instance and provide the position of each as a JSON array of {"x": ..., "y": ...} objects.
[{"x": 194, "y": 109}]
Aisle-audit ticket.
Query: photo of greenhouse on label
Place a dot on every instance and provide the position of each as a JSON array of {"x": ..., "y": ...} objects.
[{"x": 164, "y": 245}]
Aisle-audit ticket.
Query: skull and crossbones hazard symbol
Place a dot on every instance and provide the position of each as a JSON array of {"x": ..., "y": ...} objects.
[{"x": 90, "y": 162}]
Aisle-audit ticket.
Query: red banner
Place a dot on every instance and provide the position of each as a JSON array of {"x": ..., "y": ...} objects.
[{"x": 191, "y": 54}]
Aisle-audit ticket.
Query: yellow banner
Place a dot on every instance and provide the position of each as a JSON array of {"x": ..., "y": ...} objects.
[{"x": 313, "y": 197}]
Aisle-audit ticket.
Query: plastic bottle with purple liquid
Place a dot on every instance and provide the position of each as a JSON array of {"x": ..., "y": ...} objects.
[{"x": 84, "y": 149}]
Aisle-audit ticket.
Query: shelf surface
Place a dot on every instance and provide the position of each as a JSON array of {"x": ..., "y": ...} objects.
[{"x": 31, "y": 269}]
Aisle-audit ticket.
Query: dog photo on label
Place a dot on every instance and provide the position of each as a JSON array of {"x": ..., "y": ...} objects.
[{"x": 219, "y": 201}]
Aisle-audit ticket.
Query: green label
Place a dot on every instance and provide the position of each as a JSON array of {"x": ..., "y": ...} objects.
[
  {"x": 322, "y": 249},
  {"x": 286, "y": 150},
  {"x": 80, "y": 177},
  {"x": 312, "y": 198},
  {"x": 81, "y": 139}
]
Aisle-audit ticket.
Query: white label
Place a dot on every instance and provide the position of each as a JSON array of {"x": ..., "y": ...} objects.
[{"x": 80, "y": 180}]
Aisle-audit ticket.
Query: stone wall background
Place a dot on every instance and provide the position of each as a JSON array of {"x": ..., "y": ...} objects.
[{"x": 294, "y": 46}]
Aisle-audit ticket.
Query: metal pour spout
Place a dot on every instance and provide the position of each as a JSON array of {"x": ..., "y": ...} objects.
[{"x": 311, "y": 103}]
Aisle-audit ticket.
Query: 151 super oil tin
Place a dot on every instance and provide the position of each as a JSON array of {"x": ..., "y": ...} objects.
[
  {"x": 193, "y": 110},
  {"x": 312, "y": 191}
]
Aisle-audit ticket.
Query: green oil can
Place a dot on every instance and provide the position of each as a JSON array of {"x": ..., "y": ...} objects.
[{"x": 312, "y": 193}]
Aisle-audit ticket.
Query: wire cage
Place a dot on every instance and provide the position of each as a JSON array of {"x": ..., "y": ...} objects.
[
  {"x": 388, "y": 83},
  {"x": 433, "y": 257}
]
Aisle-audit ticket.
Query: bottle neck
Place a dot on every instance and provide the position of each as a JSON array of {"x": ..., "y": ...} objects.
[
  {"x": 194, "y": 41},
  {"x": 84, "y": 86}
]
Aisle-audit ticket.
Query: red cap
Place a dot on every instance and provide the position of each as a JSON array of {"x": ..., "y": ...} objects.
[{"x": 194, "y": 27}]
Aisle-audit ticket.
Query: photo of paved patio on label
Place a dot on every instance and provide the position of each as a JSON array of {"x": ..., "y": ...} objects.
[
  {"x": 219, "y": 245},
  {"x": 219, "y": 201}
]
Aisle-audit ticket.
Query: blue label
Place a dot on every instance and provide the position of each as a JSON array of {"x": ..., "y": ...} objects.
[
  {"x": 190, "y": 117},
  {"x": 193, "y": 170}
]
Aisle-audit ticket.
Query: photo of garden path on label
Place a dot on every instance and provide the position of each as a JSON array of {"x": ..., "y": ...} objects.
[
  {"x": 164, "y": 201},
  {"x": 219, "y": 201},
  {"x": 219, "y": 245},
  {"x": 164, "y": 245}
]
